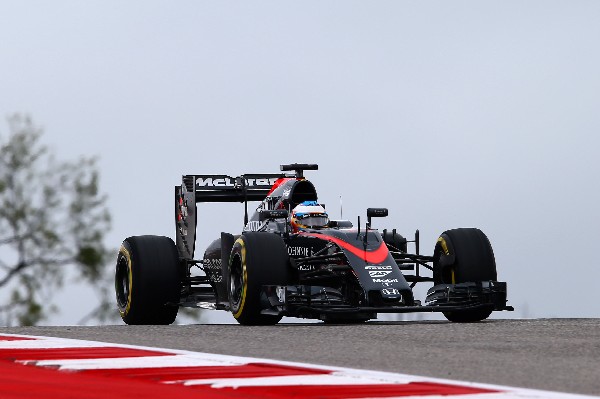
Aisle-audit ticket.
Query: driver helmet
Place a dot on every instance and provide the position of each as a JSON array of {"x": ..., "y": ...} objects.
[{"x": 308, "y": 215}]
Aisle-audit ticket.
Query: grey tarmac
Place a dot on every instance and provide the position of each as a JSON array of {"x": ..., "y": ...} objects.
[{"x": 548, "y": 354}]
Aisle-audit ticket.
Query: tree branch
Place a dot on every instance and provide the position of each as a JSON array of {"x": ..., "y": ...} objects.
[
  {"x": 5, "y": 241},
  {"x": 13, "y": 272},
  {"x": 25, "y": 264}
]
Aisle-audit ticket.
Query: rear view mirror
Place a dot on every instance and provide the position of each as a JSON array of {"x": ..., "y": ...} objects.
[{"x": 375, "y": 213}]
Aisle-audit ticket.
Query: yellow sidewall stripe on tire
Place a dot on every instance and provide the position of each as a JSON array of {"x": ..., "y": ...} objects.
[
  {"x": 444, "y": 245},
  {"x": 125, "y": 252},
  {"x": 244, "y": 279}
]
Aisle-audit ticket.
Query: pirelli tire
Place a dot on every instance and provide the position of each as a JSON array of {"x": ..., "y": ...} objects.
[
  {"x": 148, "y": 280},
  {"x": 256, "y": 259},
  {"x": 461, "y": 256}
]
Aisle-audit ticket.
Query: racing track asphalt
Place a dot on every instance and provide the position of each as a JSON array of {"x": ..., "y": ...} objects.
[{"x": 548, "y": 354}]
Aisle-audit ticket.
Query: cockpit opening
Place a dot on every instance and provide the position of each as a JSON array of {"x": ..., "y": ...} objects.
[{"x": 302, "y": 191}]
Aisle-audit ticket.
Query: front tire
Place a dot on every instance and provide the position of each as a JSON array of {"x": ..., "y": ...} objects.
[
  {"x": 257, "y": 259},
  {"x": 462, "y": 256},
  {"x": 147, "y": 280}
]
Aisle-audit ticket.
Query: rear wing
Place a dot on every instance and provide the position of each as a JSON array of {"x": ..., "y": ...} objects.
[
  {"x": 221, "y": 188},
  {"x": 214, "y": 188}
]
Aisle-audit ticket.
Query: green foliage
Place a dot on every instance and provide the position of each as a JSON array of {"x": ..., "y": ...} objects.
[{"x": 52, "y": 216}]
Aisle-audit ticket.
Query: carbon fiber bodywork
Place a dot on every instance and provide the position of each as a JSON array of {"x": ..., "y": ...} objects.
[{"x": 342, "y": 272}]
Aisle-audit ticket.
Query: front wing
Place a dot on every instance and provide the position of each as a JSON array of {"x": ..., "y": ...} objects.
[{"x": 318, "y": 302}]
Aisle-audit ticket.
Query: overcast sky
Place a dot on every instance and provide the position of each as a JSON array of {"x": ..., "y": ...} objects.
[{"x": 451, "y": 114}]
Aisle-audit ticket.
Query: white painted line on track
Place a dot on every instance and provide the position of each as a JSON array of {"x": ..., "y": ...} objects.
[
  {"x": 51, "y": 344},
  {"x": 337, "y": 378},
  {"x": 134, "y": 362}
]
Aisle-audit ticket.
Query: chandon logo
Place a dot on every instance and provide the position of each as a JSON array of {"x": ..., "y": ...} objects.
[{"x": 253, "y": 226}]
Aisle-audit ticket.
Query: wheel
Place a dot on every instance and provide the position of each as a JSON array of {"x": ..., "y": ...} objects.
[
  {"x": 257, "y": 259},
  {"x": 147, "y": 280},
  {"x": 462, "y": 256}
]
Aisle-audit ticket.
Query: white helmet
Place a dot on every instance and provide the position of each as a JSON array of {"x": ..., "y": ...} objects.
[{"x": 309, "y": 215}]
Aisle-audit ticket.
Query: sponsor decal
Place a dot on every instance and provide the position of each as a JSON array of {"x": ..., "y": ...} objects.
[
  {"x": 212, "y": 267},
  {"x": 378, "y": 273},
  {"x": 390, "y": 291},
  {"x": 253, "y": 225},
  {"x": 299, "y": 251},
  {"x": 280, "y": 294},
  {"x": 261, "y": 182},
  {"x": 182, "y": 210},
  {"x": 378, "y": 267},
  {"x": 210, "y": 182},
  {"x": 212, "y": 264},
  {"x": 385, "y": 280},
  {"x": 228, "y": 182},
  {"x": 307, "y": 268}
]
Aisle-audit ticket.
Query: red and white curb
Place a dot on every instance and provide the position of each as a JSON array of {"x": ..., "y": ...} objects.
[{"x": 36, "y": 367}]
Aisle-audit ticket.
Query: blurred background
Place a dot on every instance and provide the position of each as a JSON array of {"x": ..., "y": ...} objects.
[{"x": 451, "y": 114}]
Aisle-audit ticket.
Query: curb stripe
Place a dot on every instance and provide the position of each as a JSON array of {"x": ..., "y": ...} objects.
[
  {"x": 420, "y": 389},
  {"x": 19, "y": 381},
  {"x": 9, "y": 338},
  {"x": 75, "y": 353},
  {"x": 251, "y": 370},
  {"x": 58, "y": 368}
]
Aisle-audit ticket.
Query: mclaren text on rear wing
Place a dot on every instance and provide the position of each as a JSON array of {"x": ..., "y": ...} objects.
[{"x": 223, "y": 188}]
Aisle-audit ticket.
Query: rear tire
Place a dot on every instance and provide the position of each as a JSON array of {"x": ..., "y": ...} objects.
[
  {"x": 257, "y": 259},
  {"x": 462, "y": 256},
  {"x": 147, "y": 280}
]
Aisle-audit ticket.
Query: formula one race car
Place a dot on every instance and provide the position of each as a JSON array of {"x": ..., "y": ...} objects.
[{"x": 292, "y": 260}]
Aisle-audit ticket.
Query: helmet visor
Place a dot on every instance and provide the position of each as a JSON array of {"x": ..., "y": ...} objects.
[{"x": 314, "y": 220}]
